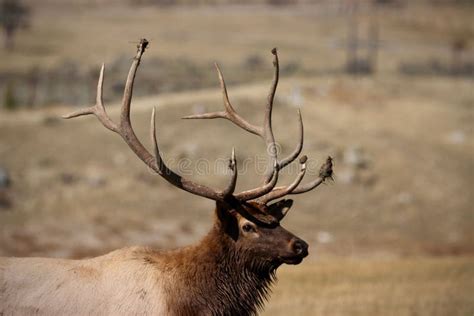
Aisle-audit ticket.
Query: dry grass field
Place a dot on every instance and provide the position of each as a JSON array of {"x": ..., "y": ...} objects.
[
  {"x": 416, "y": 286},
  {"x": 393, "y": 235}
]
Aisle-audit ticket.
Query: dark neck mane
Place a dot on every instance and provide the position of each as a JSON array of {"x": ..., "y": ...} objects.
[{"x": 215, "y": 278}]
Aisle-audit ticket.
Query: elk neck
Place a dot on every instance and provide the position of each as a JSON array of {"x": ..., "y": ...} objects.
[{"x": 215, "y": 277}]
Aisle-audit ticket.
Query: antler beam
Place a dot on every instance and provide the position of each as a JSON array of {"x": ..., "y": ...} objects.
[
  {"x": 265, "y": 193},
  {"x": 282, "y": 191},
  {"x": 125, "y": 130},
  {"x": 264, "y": 131},
  {"x": 325, "y": 172}
]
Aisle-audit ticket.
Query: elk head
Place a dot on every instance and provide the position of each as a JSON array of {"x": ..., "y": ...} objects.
[
  {"x": 247, "y": 218},
  {"x": 262, "y": 242}
]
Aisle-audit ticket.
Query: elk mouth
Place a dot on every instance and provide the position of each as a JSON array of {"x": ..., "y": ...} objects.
[{"x": 294, "y": 259}]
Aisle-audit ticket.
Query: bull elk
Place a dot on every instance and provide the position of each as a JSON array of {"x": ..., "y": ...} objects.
[{"x": 229, "y": 272}]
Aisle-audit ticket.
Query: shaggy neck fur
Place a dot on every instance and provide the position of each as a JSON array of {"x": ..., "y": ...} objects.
[{"x": 214, "y": 277}]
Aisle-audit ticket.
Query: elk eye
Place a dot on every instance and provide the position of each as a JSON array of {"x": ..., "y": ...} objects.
[{"x": 248, "y": 228}]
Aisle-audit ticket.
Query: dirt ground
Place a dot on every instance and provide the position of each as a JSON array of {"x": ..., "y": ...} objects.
[{"x": 392, "y": 235}]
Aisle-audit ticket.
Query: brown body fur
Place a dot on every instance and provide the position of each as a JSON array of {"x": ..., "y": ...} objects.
[
  {"x": 228, "y": 273},
  {"x": 214, "y": 277}
]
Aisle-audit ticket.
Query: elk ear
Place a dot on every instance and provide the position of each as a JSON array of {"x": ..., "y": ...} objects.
[
  {"x": 228, "y": 220},
  {"x": 280, "y": 208}
]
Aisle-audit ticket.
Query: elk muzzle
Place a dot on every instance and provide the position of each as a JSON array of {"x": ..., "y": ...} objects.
[
  {"x": 299, "y": 247},
  {"x": 298, "y": 250}
]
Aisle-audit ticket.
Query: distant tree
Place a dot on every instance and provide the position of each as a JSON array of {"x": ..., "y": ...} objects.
[
  {"x": 354, "y": 63},
  {"x": 9, "y": 97},
  {"x": 155, "y": 2},
  {"x": 281, "y": 2},
  {"x": 459, "y": 46},
  {"x": 13, "y": 15}
]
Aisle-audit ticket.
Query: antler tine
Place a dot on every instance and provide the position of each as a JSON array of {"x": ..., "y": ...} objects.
[
  {"x": 233, "y": 167},
  {"x": 265, "y": 131},
  {"x": 299, "y": 146},
  {"x": 282, "y": 191},
  {"x": 125, "y": 130},
  {"x": 267, "y": 135},
  {"x": 260, "y": 191},
  {"x": 229, "y": 113},
  {"x": 324, "y": 172},
  {"x": 159, "y": 166},
  {"x": 98, "y": 109},
  {"x": 267, "y": 121},
  {"x": 100, "y": 88},
  {"x": 159, "y": 163}
]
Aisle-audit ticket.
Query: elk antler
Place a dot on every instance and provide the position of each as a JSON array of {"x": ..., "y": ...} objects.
[
  {"x": 125, "y": 130},
  {"x": 266, "y": 133},
  {"x": 324, "y": 172},
  {"x": 266, "y": 192}
]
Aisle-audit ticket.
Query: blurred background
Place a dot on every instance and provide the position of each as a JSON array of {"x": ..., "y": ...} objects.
[{"x": 385, "y": 87}]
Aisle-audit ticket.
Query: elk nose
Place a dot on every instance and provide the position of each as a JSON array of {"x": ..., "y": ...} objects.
[{"x": 299, "y": 247}]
